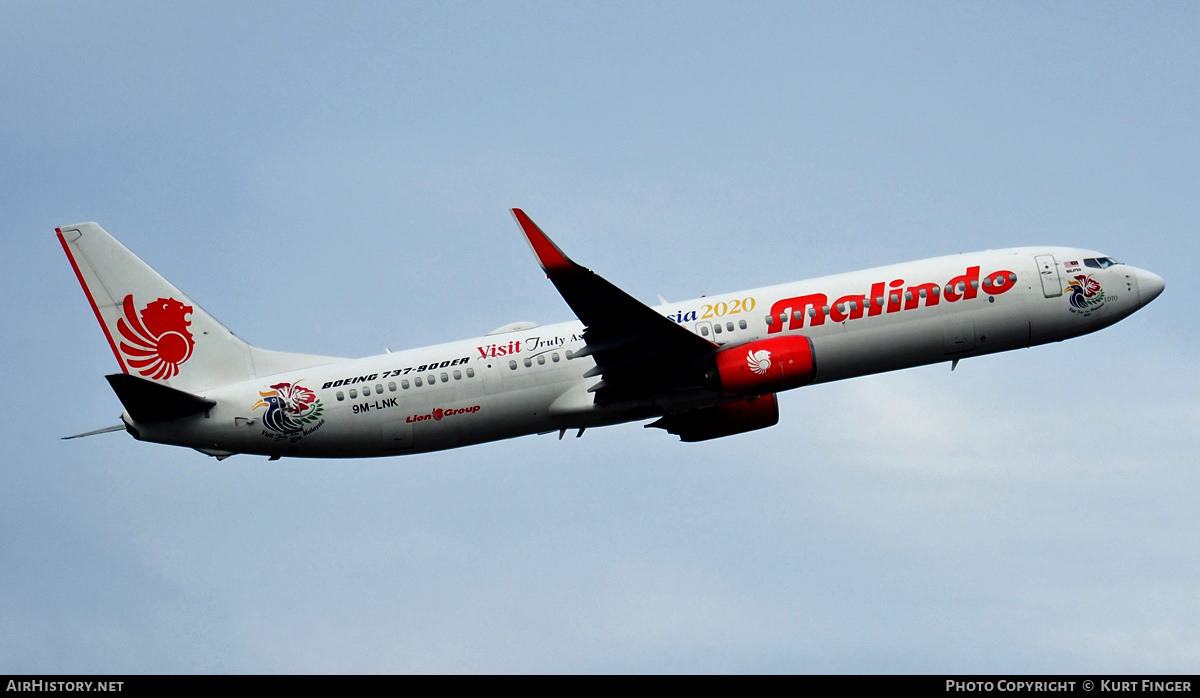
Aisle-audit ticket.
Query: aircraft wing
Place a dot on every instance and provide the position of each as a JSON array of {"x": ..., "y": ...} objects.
[{"x": 636, "y": 349}]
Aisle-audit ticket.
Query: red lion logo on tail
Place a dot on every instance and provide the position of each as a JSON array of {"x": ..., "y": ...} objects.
[{"x": 157, "y": 342}]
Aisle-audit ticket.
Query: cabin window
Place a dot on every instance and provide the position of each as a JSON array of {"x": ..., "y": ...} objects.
[
  {"x": 341, "y": 396},
  {"x": 404, "y": 384},
  {"x": 470, "y": 373},
  {"x": 541, "y": 360},
  {"x": 366, "y": 390},
  {"x": 908, "y": 295},
  {"x": 895, "y": 297},
  {"x": 742, "y": 324},
  {"x": 379, "y": 388},
  {"x": 717, "y": 328},
  {"x": 841, "y": 308},
  {"x": 457, "y": 375},
  {"x": 431, "y": 379},
  {"x": 512, "y": 364},
  {"x": 799, "y": 314},
  {"x": 974, "y": 283},
  {"x": 704, "y": 330},
  {"x": 445, "y": 377},
  {"x": 570, "y": 354},
  {"x": 527, "y": 362},
  {"x": 770, "y": 320},
  {"x": 1012, "y": 278},
  {"x": 417, "y": 382},
  {"x": 879, "y": 301},
  {"x": 554, "y": 357},
  {"x": 812, "y": 312},
  {"x": 391, "y": 386},
  {"x": 729, "y": 326},
  {"x": 353, "y": 393}
]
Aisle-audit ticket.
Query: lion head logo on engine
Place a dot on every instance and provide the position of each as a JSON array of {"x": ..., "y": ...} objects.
[{"x": 759, "y": 361}]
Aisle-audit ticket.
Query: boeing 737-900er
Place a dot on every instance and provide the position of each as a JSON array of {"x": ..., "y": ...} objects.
[{"x": 702, "y": 369}]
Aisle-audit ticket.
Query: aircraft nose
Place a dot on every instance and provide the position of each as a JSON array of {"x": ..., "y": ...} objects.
[{"x": 1149, "y": 286}]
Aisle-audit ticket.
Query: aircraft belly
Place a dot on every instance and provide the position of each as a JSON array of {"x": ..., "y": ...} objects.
[
  {"x": 862, "y": 352},
  {"x": 434, "y": 424}
]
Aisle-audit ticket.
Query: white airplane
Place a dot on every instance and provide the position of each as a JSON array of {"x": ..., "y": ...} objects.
[{"x": 704, "y": 368}]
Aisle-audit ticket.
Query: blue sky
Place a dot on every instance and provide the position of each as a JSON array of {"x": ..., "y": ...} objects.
[{"x": 336, "y": 180}]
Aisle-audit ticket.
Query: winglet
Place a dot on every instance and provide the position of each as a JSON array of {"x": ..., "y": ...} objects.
[{"x": 551, "y": 258}]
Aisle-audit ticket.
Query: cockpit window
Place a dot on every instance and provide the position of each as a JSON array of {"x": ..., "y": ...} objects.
[{"x": 1100, "y": 262}]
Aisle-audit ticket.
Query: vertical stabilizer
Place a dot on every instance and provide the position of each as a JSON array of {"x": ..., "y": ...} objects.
[{"x": 155, "y": 331}]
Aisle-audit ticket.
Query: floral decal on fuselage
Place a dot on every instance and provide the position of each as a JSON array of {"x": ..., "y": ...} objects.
[
  {"x": 1086, "y": 293},
  {"x": 291, "y": 408}
]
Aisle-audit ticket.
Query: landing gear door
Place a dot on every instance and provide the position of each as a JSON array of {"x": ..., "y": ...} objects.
[
  {"x": 397, "y": 435},
  {"x": 1048, "y": 269},
  {"x": 960, "y": 337}
]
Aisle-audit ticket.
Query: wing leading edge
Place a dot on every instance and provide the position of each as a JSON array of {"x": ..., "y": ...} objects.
[{"x": 636, "y": 350}]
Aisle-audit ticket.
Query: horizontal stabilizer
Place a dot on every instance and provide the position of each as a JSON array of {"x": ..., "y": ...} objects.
[
  {"x": 105, "y": 430},
  {"x": 147, "y": 401}
]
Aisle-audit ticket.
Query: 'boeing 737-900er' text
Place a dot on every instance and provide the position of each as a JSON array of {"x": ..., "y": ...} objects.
[{"x": 701, "y": 369}]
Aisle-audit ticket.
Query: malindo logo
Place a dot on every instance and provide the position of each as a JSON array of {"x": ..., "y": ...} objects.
[
  {"x": 158, "y": 340},
  {"x": 1086, "y": 294},
  {"x": 893, "y": 296},
  {"x": 759, "y": 361},
  {"x": 291, "y": 409}
]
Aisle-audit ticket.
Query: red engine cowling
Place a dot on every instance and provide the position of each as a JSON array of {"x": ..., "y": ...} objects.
[
  {"x": 765, "y": 366},
  {"x": 722, "y": 420}
]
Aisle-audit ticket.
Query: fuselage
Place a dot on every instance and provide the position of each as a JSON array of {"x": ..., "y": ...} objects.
[{"x": 530, "y": 380}]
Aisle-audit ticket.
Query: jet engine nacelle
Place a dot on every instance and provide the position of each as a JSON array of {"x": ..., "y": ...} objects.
[
  {"x": 722, "y": 420},
  {"x": 765, "y": 366}
]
